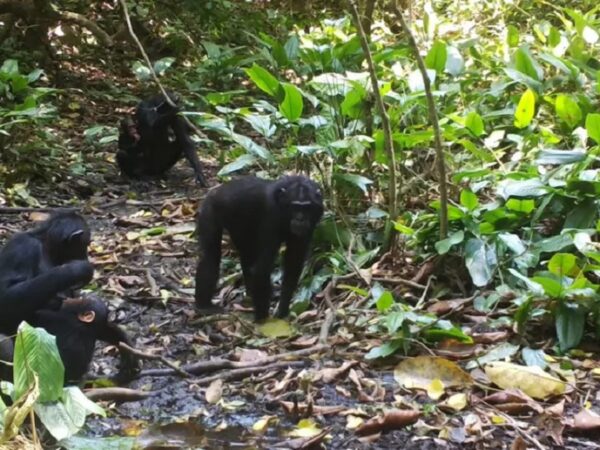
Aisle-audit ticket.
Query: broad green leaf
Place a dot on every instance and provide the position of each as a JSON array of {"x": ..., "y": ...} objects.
[
  {"x": 163, "y": 64},
  {"x": 534, "y": 287},
  {"x": 468, "y": 199},
  {"x": 436, "y": 57},
  {"x": 474, "y": 123},
  {"x": 568, "y": 110},
  {"x": 415, "y": 80},
  {"x": 552, "y": 288},
  {"x": 562, "y": 264},
  {"x": 385, "y": 301},
  {"x": 524, "y": 206},
  {"x": 583, "y": 215},
  {"x": 592, "y": 125},
  {"x": 141, "y": 71},
  {"x": 512, "y": 36},
  {"x": 525, "y": 109},
  {"x": 480, "y": 260},
  {"x": 387, "y": 349},
  {"x": 445, "y": 245},
  {"x": 455, "y": 63},
  {"x": 534, "y": 357},
  {"x": 521, "y": 188},
  {"x": 356, "y": 180},
  {"x": 263, "y": 79},
  {"x": 513, "y": 242},
  {"x": 10, "y": 67},
  {"x": 36, "y": 352},
  {"x": 292, "y": 104},
  {"x": 570, "y": 324},
  {"x": 240, "y": 163},
  {"x": 525, "y": 64},
  {"x": 551, "y": 156}
]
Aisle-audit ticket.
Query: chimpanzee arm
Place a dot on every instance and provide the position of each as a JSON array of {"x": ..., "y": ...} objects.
[
  {"x": 113, "y": 334},
  {"x": 182, "y": 137},
  {"x": 19, "y": 300},
  {"x": 293, "y": 263}
]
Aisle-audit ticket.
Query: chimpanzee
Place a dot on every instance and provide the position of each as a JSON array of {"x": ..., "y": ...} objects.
[
  {"x": 259, "y": 215},
  {"x": 38, "y": 269},
  {"x": 146, "y": 148}
]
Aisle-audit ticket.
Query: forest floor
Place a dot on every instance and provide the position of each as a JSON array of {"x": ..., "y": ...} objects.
[{"x": 144, "y": 252}]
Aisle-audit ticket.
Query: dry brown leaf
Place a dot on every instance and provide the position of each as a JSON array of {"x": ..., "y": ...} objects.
[
  {"x": 302, "y": 408},
  {"x": 391, "y": 420},
  {"x": 513, "y": 401},
  {"x": 214, "y": 392},
  {"x": 518, "y": 444},
  {"x": 331, "y": 374},
  {"x": 442, "y": 307},
  {"x": 586, "y": 420},
  {"x": 250, "y": 354},
  {"x": 492, "y": 337},
  {"x": 530, "y": 379}
]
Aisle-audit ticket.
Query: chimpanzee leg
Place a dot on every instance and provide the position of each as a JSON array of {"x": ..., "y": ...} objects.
[
  {"x": 183, "y": 140},
  {"x": 259, "y": 286},
  {"x": 209, "y": 233},
  {"x": 293, "y": 263}
]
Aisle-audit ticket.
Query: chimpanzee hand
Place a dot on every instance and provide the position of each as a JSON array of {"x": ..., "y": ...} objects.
[
  {"x": 129, "y": 367},
  {"x": 81, "y": 270},
  {"x": 200, "y": 180}
]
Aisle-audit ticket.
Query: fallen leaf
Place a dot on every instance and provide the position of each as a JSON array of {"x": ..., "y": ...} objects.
[
  {"x": 431, "y": 374},
  {"x": 513, "y": 401},
  {"x": 305, "y": 428},
  {"x": 530, "y": 379},
  {"x": 214, "y": 392},
  {"x": 261, "y": 425},
  {"x": 456, "y": 402},
  {"x": 330, "y": 374},
  {"x": 586, "y": 420},
  {"x": 392, "y": 420},
  {"x": 275, "y": 328}
]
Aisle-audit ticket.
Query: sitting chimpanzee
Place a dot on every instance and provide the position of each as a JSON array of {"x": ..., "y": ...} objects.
[
  {"x": 146, "y": 147},
  {"x": 38, "y": 269},
  {"x": 259, "y": 215}
]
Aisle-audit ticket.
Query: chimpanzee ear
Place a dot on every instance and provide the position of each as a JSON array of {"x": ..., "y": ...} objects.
[{"x": 87, "y": 316}]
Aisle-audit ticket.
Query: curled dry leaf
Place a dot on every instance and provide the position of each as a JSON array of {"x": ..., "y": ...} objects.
[
  {"x": 302, "y": 408},
  {"x": 214, "y": 391},
  {"x": 250, "y": 354},
  {"x": 530, "y": 379},
  {"x": 331, "y": 374},
  {"x": 392, "y": 420},
  {"x": 586, "y": 420},
  {"x": 513, "y": 401},
  {"x": 431, "y": 374}
]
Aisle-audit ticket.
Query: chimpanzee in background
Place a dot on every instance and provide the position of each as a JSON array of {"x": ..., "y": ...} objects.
[
  {"x": 146, "y": 147},
  {"x": 38, "y": 270},
  {"x": 259, "y": 215}
]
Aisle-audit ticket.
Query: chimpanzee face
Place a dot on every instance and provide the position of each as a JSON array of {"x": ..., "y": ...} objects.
[{"x": 304, "y": 204}]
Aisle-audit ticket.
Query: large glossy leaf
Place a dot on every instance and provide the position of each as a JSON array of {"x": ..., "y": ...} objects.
[
  {"x": 525, "y": 64},
  {"x": 551, "y": 156},
  {"x": 240, "y": 163},
  {"x": 592, "y": 125},
  {"x": 570, "y": 324},
  {"x": 568, "y": 110},
  {"x": 562, "y": 264},
  {"x": 455, "y": 63},
  {"x": 436, "y": 57},
  {"x": 36, "y": 353},
  {"x": 480, "y": 260},
  {"x": 292, "y": 104},
  {"x": 356, "y": 180},
  {"x": 474, "y": 123},
  {"x": 525, "y": 109},
  {"x": 521, "y": 188},
  {"x": 263, "y": 79},
  {"x": 468, "y": 199},
  {"x": 445, "y": 245}
]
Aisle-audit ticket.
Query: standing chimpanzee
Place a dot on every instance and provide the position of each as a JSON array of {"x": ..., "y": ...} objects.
[
  {"x": 38, "y": 269},
  {"x": 259, "y": 215},
  {"x": 146, "y": 147}
]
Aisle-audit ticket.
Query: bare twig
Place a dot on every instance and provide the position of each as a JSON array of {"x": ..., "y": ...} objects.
[
  {"x": 439, "y": 151},
  {"x": 237, "y": 374},
  {"x": 385, "y": 121},
  {"x": 143, "y": 355},
  {"x": 117, "y": 394},
  {"x": 219, "y": 364},
  {"x": 398, "y": 280}
]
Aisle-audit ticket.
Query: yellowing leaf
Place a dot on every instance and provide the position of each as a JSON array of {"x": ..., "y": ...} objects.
[
  {"x": 431, "y": 374},
  {"x": 275, "y": 328},
  {"x": 306, "y": 428},
  {"x": 532, "y": 380},
  {"x": 353, "y": 422},
  {"x": 214, "y": 392},
  {"x": 261, "y": 425},
  {"x": 435, "y": 389},
  {"x": 498, "y": 420},
  {"x": 456, "y": 402},
  {"x": 595, "y": 372}
]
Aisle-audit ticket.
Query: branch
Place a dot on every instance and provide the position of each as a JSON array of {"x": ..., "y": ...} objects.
[
  {"x": 439, "y": 151},
  {"x": 150, "y": 356},
  {"x": 73, "y": 17},
  {"x": 385, "y": 122}
]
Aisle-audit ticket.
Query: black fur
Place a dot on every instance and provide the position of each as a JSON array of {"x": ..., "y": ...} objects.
[
  {"x": 259, "y": 215},
  {"x": 146, "y": 148}
]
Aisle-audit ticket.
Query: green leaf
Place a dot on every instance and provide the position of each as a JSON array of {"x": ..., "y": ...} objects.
[
  {"x": 474, "y": 123},
  {"x": 513, "y": 242},
  {"x": 163, "y": 64},
  {"x": 570, "y": 324},
  {"x": 592, "y": 125},
  {"x": 385, "y": 301},
  {"x": 582, "y": 216},
  {"x": 512, "y": 36},
  {"x": 568, "y": 110},
  {"x": 562, "y": 264},
  {"x": 36, "y": 352},
  {"x": 292, "y": 47},
  {"x": 551, "y": 156},
  {"x": 525, "y": 64},
  {"x": 534, "y": 357},
  {"x": 552, "y": 288},
  {"x": 480, "y": 260},
  {"x": 387, "y": 349},
  {"x": 263, "y": 79},
  {"x": 292, "y": 104},
  {"x": 10, "y": 67},
  {"x": 436, "y": 57},
  {"x": 454, "y": 333},
  {"x": 524, "y": 206},
  {"x": 356, "y": 180},
  {"x": 445, "y": 245},
  {"x": 521, "y": 188},
  {"x": 241, "y": 162},
  {"x": 468, "y": 199},
  {"x": 534, "y": 287},
  {"x": 525, "y": 109}
]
